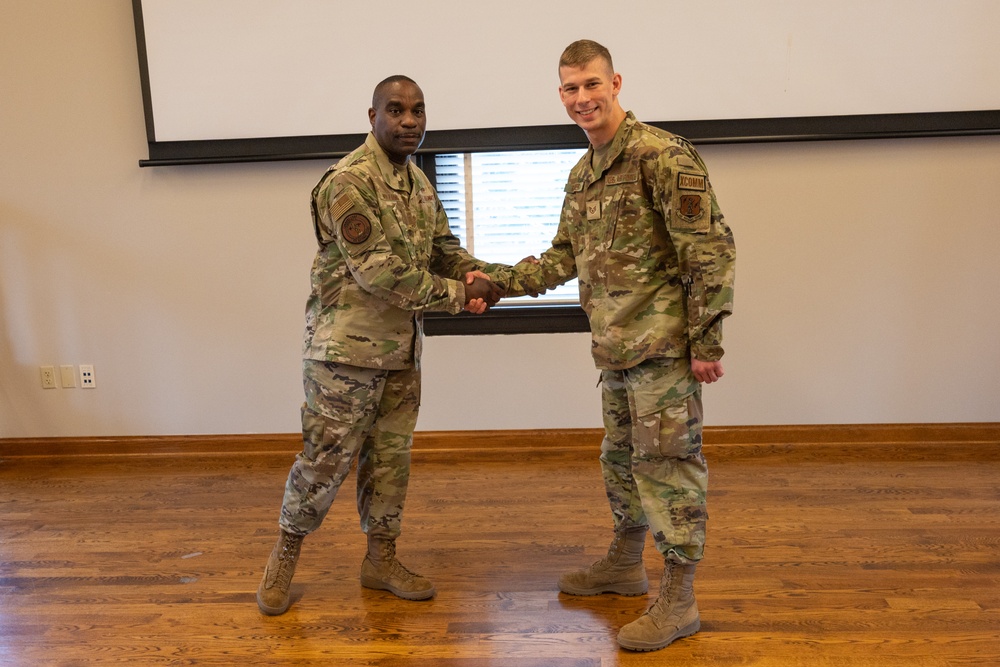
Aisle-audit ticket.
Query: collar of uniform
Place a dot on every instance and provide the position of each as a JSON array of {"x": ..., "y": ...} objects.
[
  {"x": 615, "y": 148},
  {"x": 396, "y": 177}
]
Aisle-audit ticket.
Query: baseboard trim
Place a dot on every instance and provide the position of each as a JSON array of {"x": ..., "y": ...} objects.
[
  {"x": 814, "y": 440},
  {"x": 981, "y": 432}
]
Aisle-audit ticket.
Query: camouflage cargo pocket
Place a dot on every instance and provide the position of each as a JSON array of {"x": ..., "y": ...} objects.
[
  {"x": 341, "y": 393},
  {"x": 667, "y": 408},
  {"x": 325, "y": 442}
]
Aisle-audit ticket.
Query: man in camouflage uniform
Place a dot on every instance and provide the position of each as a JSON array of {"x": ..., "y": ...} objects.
[
  {"x": 385, "y": 255},
  {"x": 641, "y": 229}
]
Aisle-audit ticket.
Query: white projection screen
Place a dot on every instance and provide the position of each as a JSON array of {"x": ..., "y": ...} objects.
[{"x": 234, "y": 80}]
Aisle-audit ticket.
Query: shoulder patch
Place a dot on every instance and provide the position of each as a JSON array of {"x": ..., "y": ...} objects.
[
  {"x": 690, "y": 206},
  {"x": 341, "y": 206},
  {"x": 355, "y": 228},
  {"x": 686, "y": 181}
]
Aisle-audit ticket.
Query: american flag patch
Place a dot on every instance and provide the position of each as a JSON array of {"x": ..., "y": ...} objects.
[{"x": 341, "y": 206}]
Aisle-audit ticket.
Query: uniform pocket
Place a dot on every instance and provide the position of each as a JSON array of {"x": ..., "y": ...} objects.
[
  {"x": 630, "y": 235},
  {"x": 667, "y": 403},
  {"x": 697, "y": 300},
  {"x": 657, "y": 383},
  {"x": 341, "y": 393}
]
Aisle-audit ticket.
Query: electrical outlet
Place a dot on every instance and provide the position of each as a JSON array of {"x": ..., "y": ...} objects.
[
  {"x": 67, "y": 376},
  {"x": 87, "y": 379},
  {"x": 48, "y": 377}
]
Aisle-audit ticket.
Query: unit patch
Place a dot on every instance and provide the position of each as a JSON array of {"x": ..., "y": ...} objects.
[
  {"x": 355, "y": 228},
  {"x": 690, "y": 206},
  {"x": 687, "y": 181}
]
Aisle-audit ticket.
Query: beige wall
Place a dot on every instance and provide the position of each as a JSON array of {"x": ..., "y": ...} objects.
[{"x": 867, "y": 273}]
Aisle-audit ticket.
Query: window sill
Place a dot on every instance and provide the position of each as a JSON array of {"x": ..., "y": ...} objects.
[{"x": 509, "y": 320}]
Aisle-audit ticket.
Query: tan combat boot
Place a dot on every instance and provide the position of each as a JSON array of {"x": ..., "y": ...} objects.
[
  {"x": 621, "y": 571},
  {"x": 672, "y": 616},
  {"x": 380, "y": 570},
  {"x": 272, "y": 594}
]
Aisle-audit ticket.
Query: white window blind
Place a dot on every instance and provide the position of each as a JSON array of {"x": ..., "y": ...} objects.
[{"x": 505, "y": 206}]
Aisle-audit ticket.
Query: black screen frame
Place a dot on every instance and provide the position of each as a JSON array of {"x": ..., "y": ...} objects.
[{"x": 543, "y": 137}]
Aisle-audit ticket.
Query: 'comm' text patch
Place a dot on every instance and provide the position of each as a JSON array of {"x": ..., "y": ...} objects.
[{"x": 687, "y": 181}]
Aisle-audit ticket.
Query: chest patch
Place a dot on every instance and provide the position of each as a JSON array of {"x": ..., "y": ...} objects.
[
  {"x": 594, "y": 210},
  {"x": 618, "y": 179},
  {"x": 355, "y": 228}
]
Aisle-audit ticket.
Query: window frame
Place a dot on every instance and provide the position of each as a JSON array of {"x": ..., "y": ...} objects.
[{"x": 502, "y": 319}]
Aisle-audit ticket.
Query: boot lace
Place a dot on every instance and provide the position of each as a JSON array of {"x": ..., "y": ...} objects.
[
  {"x": 283, "y": 575},
  {"x": 392, "y": 564},
  {"x": 665, "y": 599},
  {"x": 399, "y": 570},
  {"x": 614, "y": 551}
]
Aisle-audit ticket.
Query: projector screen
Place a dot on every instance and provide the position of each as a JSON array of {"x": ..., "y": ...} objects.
[{"x": 268, "y": 78}]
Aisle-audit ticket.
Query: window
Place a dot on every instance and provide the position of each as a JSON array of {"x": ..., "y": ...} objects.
[{"x": 505, "y": 206}]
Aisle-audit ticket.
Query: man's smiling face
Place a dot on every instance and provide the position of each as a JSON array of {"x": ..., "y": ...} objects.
[{"x": 589, "y": 94}]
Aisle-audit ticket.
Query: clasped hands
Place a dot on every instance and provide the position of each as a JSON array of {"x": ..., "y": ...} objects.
[{"x": 481, "y": 293}]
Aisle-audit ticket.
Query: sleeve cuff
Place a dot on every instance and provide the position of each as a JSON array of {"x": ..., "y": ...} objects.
[
  {"x": 456, "y": 296},
  {"x": 707, "y": 352}
]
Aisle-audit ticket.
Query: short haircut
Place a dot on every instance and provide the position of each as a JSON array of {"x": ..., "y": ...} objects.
[
  {"x": 582, "y": 51},
  {"x": 385, "y": 83}
]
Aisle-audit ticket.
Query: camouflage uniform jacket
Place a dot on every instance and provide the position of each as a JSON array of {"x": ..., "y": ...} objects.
[
  {"x": 655, "y": 259},
  {"x": 385, "y": 255}
]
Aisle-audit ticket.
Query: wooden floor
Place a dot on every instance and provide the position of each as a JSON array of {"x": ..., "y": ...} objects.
[{"x": 818, "y": 555}]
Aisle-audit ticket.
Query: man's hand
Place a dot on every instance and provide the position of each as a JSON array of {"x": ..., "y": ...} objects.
[
  {"x": 706, "y": 371},
  {"x": 481, "y": 293}
]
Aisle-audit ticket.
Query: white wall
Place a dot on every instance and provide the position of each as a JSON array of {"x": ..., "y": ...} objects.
[{"x": 866, "y": 281}]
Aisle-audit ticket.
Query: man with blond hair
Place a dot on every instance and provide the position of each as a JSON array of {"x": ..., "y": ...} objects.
[{"x": 641, "y": 229}]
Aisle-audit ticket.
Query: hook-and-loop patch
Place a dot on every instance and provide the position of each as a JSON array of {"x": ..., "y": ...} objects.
[{"x": 356, "y": 228}]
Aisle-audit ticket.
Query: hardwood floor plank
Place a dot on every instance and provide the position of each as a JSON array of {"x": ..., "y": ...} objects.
[{"x": 830, "y": 557}]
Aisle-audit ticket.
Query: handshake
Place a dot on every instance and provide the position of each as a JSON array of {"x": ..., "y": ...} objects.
[{"x": 481, "y": 293}]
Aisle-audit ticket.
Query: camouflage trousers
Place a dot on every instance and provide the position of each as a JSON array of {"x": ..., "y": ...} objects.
[
  {"x": 353, "y": 411},
  {"x": 651, "y": 459}
]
